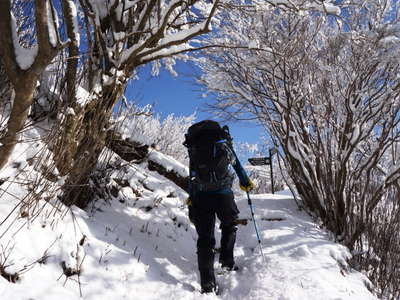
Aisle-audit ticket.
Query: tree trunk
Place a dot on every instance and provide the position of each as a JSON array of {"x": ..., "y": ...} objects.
[
  {"x": 19, "y": 113},
  {"x": 65, "y": 146},
  {"x": 89, "y": 140}
]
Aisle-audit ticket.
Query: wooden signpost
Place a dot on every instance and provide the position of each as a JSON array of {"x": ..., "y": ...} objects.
[{"x": 261, "y": 161}]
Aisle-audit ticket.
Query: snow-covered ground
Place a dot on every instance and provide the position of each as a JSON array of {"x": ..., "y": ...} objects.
[{"x": 140, "y": 245}]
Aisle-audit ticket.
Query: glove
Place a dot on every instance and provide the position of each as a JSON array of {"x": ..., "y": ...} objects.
[{"x": 248, "y": 186}]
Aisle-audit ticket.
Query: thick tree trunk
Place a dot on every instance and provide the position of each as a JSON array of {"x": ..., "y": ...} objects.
[
  {"x": 90, "y": 134},
  {"x": 84, "y": 153},
  {"x": 19, "y": 113}
]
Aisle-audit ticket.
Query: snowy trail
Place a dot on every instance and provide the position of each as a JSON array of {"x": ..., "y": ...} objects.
[
  {"x": 301, "y": 261},
  {"x": 145, "y": 248}
]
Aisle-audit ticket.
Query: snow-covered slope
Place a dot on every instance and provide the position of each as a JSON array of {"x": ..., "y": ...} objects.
[{"x": 139, "y": 244}]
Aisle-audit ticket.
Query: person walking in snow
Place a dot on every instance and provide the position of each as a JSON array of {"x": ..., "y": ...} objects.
[{"x": 212, "y": 162}]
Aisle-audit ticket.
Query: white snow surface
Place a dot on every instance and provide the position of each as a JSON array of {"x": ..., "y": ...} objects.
[
  {"x": 140, "y": 245},
  {"x": 82, "y": 96},
  {"x": 70, "y": 111},
  {"x": 332, "y": 9}
]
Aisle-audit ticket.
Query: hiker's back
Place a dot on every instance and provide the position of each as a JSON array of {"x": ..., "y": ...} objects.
[{"x": 210, "y": 156}]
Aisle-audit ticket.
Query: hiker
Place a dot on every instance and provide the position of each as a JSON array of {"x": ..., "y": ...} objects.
[{"x": 212, "y": 161}]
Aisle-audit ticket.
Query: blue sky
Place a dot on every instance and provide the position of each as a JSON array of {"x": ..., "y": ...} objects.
[{"x": 180, "y": 96}]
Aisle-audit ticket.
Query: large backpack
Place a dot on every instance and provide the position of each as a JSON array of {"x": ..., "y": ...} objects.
[{"x": 210, "y": 156}]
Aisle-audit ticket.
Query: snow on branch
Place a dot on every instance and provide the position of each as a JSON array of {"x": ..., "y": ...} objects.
[
  {"x": 298, "y": 6},
  {"x": 24, "y": 56},
  {"x": 74, "y": 15},
  {"x": 175, "y": 42},
  {"x": 47, "y": 39},
  {"x": 52, "y": 23},
  {"x": 132, "y": 33}
]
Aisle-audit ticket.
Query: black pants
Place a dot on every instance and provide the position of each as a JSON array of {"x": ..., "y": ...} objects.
[{"x": 205, "y": 207}]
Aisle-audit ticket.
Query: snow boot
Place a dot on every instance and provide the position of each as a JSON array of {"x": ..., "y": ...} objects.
[
  {"x": 209, "y": 287},
  {"x": 229, "y": 267},
  {"x": 207, "y": 282}
]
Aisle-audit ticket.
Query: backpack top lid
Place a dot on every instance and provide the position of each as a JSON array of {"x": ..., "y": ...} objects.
[{"x": 206, "y": 130}]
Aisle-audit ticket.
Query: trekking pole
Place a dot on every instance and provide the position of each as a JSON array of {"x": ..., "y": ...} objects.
[{"x": 255, "y": 225}]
